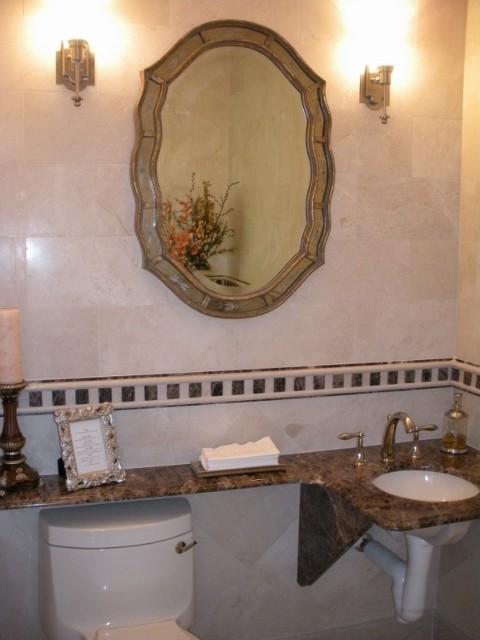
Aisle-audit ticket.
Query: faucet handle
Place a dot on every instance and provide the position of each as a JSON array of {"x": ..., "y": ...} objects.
[
  {"x": 415, "y": 450},
  {"x": 359, "y": 458}
]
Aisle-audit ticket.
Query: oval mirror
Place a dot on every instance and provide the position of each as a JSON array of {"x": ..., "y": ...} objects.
[{"x": 232, "y": 169}]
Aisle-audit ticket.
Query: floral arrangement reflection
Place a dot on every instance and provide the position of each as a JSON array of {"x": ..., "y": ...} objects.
[{"x": 196, "y": 227}]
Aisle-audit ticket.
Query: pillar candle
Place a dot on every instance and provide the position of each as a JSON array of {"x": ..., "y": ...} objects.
[{"x": 10, "y": 350}]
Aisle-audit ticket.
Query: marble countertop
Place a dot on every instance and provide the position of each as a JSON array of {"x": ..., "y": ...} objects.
[{"x": 332, "y": 470}]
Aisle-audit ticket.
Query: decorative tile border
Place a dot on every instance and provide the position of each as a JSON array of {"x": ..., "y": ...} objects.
[
  {"x": 135, "y": 392},
  {"x": 466, "y": 376}
]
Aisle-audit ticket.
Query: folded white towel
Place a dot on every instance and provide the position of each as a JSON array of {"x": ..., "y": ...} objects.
[{"x": 263, "y": 452}]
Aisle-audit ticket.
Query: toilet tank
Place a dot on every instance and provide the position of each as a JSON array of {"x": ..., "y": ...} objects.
[{"x": 114, "y": 564}]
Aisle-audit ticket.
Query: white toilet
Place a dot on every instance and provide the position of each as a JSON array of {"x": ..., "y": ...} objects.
[{"x": 120, "y": 570}]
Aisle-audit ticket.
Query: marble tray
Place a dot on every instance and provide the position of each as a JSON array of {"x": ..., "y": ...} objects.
[{"x": 200, "y": 472}]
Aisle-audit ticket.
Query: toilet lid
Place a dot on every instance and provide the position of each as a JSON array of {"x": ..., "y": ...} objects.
[{"x": 168, "y": 630}]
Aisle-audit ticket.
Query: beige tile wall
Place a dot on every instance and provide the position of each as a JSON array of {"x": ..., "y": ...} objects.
[
  {"x": 70, "y": 261},
  {"x": 468, "y": 344},
  {"x": 460, "y": 564},
  {"x": 68, "y": 245}
]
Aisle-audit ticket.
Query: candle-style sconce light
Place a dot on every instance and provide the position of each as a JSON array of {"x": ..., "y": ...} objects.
[
  {"x": 76, "y": 67},
  {"x": 375, "y": 89},
  {"x": 14, "y": 471}
]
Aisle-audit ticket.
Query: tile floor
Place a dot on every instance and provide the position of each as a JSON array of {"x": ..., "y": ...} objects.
[{"x": 430, "y": 627}]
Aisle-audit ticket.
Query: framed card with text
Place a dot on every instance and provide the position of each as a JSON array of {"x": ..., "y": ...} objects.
[{"x": 89, "y": 446}]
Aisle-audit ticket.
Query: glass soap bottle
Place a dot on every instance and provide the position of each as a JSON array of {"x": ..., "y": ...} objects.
[{"x": 454, "y": 438}]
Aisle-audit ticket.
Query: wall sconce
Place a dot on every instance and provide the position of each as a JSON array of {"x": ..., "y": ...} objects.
[
  {"x": 375, "y": 89},
  {"x": 75, "y": 67}
]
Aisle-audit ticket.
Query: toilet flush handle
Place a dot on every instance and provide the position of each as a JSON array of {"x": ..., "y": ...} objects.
[{"x": 181, "y": 547}]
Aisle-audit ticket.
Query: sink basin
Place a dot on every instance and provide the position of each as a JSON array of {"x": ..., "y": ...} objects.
[{"x": 426, "y": 486}]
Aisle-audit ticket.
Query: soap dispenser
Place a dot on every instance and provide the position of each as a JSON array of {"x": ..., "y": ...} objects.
[{"x": 454, "y": 438}]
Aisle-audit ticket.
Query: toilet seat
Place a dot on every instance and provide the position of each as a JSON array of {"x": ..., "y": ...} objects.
[{"x": 167, "y": 630}]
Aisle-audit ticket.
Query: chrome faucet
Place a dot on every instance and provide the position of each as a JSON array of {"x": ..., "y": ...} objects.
[{"x": 410, "y": 427}]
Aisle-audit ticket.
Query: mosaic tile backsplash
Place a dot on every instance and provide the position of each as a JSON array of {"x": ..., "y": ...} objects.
[{"x": 135, "y": 392}]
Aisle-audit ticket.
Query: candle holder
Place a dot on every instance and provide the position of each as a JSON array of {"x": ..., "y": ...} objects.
[{"x": 14, "y": 471}]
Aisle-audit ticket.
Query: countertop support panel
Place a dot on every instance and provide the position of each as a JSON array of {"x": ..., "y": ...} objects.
[{"x": 328, "y": 527}]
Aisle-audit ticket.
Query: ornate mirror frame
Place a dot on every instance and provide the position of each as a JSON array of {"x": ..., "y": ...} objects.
[{"x": 156, "y": 81}]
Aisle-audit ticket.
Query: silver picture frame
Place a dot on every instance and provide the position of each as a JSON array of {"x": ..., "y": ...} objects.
[{"x": 89, "y": 446}]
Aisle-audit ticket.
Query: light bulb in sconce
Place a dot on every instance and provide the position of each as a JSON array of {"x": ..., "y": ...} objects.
[
  {"x": 75, "y": 67},
  {"x": 375, "y": 89}
]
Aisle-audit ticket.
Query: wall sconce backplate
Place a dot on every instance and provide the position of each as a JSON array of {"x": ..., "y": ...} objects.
[
  {"x": 375, "y": 89},
  {"x": 75, "y": 66}
]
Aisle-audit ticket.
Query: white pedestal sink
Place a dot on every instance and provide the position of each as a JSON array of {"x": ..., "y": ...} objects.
[{"x": 409, "y": 578}]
